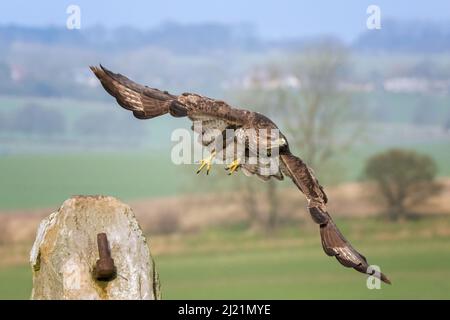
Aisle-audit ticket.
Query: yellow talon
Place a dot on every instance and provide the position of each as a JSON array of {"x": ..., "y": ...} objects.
[
  {"x": 206, "y": 162},
  {"x": 233, "y": 166}
]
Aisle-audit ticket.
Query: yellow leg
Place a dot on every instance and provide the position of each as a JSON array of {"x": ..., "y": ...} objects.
[
  {"x": 233, "y": 166},
  {"x": 206, "y": 163}
]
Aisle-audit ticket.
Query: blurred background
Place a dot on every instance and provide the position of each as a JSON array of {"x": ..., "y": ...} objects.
[{"x": 368, "y": 108}]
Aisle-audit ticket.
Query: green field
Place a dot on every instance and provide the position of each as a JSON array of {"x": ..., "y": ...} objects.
[
  {"x": 46, "y": 180},
  {"x": 230, "y": 262},
  {"x": 40, "y": 171},
  {"x": 236, "y": 264},
  {"x": 30, "y": 181}
]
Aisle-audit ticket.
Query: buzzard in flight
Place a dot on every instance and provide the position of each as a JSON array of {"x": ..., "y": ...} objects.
[{"x": 216, "y": 118}]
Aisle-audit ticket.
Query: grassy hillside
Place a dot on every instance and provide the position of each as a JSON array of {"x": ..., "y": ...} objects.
[
  {"x": 37, "y": 171},
  {"x": 30, "y": 181},
  {"x": 233, "y": 264},
  {"x": 43, "y": 180}
]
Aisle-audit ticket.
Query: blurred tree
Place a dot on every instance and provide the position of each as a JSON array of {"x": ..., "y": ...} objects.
[
  {"x": 3, "y": 122},
  {"x": 109, "y": 125},
  {"x": 403, "y": 177},
  {"x": 305, "y": 99},
  {"x": 5, "y": 75},
  {"x": 5, "y": 230},
  {"x": 308, "y": 104},
  {"x": 167, "y": 222},
  {"x": 317, "y": 116},
  {"x": 35, "y": 119},
  {"x": 447, "y": 124},
  {"x": 273, "y": 200},
  {"x": 423, "y": 114},
  {"x": 249, "y": 201},
  {"x": 95, "y": 123}
]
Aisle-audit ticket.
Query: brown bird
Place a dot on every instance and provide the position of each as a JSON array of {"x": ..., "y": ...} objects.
[{"x": 252, "y": 132}]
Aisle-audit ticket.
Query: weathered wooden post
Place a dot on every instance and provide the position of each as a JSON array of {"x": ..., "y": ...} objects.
[{"x": 76, "y": 247}]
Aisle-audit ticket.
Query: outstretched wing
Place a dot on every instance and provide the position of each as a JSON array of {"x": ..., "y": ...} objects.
[
  {"x": 211, "y": 117},
  {"x": 333, "y": 242},
  {"x": 145, "y": 102}
]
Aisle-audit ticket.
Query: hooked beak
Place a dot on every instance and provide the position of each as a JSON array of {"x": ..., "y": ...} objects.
[{"x": 282, "y": 142}]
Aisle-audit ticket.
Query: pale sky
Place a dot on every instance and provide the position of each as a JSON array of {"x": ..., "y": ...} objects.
[{"x": 273, "y": 19}]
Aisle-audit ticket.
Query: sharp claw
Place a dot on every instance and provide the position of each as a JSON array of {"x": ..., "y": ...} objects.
[
  {"x": 233, "y": 167},
  {"x": 206, "y": 163},
  {"x": 203, "y": 163}
]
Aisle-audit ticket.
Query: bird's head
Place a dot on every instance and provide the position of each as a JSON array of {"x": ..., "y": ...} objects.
[
  {"x": 282, "y": 141},
  {"x": 279, "y": 141}
]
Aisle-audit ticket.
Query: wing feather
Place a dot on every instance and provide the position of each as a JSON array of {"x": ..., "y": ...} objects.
[
  {"x": 209, "y": 129},
  {"x": 143, "y": 101},
  {"x": 214, "y": 116},
  {"x": 333, "y": 242}
]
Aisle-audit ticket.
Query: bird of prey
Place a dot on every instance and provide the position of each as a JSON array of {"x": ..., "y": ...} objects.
[{"x": 217, "y": 117}]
